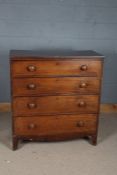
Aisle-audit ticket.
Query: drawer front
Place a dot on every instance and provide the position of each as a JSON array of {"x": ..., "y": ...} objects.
[
  {"x": 56, "y": 68},
  {"x": 37, "y": 86},
  {"x": 52, "y": 125},
  {"x": 27, "y": 106}
]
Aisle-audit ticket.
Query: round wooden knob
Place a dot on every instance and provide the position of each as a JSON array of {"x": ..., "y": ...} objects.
[
  {"x": 32, "y": 126},
  {"x": 84, "y": 67},
  {"x": 82, "y": 104},
  {"x": 32, "y": 105},
  {"x": 31, "y": 86},
  {"x": 31, "y": 68},
  {"x": 83, "y": 85},
  {"x": 80, "y": 124}
]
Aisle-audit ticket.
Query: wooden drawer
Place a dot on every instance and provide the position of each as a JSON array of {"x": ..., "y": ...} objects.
[
  {"x": 55, "y": 124},
  {"x": 27, "y": 106},
  {"x": 31, "y": 68},
  {"x": 38, "y": 86}
]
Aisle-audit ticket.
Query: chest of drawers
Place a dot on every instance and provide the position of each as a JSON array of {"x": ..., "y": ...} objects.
[{"x": 55, "y": 95}]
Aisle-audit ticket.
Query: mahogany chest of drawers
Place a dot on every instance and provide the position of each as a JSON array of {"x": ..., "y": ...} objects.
[{"x": 55, "y": 95}]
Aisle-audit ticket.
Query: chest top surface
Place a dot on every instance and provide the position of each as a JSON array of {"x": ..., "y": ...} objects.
[{"x": 54, "y": 54}]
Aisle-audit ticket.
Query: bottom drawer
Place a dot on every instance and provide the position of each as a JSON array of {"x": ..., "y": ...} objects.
[{"x": 53, "y": 125}]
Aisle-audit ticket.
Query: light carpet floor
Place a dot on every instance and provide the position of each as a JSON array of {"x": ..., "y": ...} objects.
[{"x": 75, "y": 157}]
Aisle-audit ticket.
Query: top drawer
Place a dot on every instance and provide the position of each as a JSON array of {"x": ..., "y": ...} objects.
[{"x": 33, "y": 68}]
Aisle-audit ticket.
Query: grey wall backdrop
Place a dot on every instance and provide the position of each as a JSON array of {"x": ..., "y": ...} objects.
[{"x": 69, "y": 24}]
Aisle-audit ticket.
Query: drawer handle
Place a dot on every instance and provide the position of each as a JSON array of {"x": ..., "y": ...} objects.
[
  {"x": 80, "y": 124},
  {"x": 31, "y": 86},
  {"x": 83, "y": 85},
  {"x": 82, "y": 104},
  {"x": 32, "y": 126},
  {"x": 32, "y": 105},
  {"x": 31, "y": 68},
  {"x": 84, "y": 67}
]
